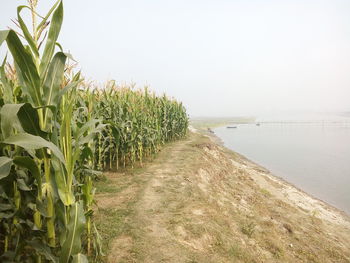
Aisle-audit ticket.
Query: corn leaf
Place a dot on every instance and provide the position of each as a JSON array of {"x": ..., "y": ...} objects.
[
  {"x": 43, "y": 22},
  {"x": 43, "y": 249},
  {"x": 29, "y": 163},
  {"x": 3, "y": 35},
  {"x": 7, "y": 87},
  {"x": 30, "y": 142},
  {"x": 75, "y": 227},
  {"x": 64, "y": 190},
  {"x": 54, "y": 31},
  {"x": 9, "y": 119},
  {"x": 28, "y": 117},
  {"x": 68, "y": 88},
  {"x": 26, "y": 32},
  {"x": 24, "y": 62},
  {"x": 53, "y": 79},
  {"x": 5, "y": 166},
  {"x": 80, "y": 258}
]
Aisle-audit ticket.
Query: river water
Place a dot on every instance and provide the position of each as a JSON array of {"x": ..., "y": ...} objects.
[{"x": 315, "y": 157}]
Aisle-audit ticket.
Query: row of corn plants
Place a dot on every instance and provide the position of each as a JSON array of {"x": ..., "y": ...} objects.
[
  {"x": 57, "y": 135},
  {"x": 138, "y": 124}
]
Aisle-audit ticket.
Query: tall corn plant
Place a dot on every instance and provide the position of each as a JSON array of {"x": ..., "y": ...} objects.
[{"x": 41, "y": 218}]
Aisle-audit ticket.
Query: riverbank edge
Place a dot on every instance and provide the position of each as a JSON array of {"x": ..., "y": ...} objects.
[
  {"x": 198, "y": 201},
  {"x": 337, "y": 212}
]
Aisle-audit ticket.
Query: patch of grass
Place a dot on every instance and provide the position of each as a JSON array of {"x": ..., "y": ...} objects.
[
  {"x": 265, "y": 192},
  {"x": 108, "y": 188},
  {"x": 248, "y": 229},
  {"x": 107, "y": 185},
  {"x": 114, "y": 222},
  {"x": 236, "y": 252},
  {"x": 196, "y": 230},
  {"x": 309, "y": 255},
  {"x": 111, "y": 223},
  {"x": 274, "y": 247}
]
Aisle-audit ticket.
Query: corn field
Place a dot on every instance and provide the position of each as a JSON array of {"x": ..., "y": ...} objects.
[{"x": 57, "y": 134}]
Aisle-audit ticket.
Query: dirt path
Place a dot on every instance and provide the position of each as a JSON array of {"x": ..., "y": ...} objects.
[
  {"x": 154, "y": 209},
  {"x": 197, "y": 202}
]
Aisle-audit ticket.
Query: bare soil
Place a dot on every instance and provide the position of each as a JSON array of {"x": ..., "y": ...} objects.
[{"x": 199, "y": 202}]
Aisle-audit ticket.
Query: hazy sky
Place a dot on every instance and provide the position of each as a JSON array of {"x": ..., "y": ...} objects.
[{"x": 220, "y": 57}]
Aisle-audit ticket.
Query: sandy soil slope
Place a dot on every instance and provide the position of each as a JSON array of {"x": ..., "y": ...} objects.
[{"x": 199, "y": 202}]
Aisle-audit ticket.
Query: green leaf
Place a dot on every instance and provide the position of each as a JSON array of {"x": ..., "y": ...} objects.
[
  {"x": 25, "y": 31},
  {"x": 5, "y": 207},
  {"x": 9, "y": 119},
  {"x": 88, "y": 125},
  {"x": 31, "y": 142},
  {"x": 43, "y": 22},
  {"x": 22, "y": 185},
  {"x": 26, "y": 66},
  {"x": 7, "y": 215},
  {"x": 42, "y": 249},
  {"x": 5, "y": 166},
  {"x": 98, "y": 242},
  {"x": 70, "y": 86},
  {"x": 75, "y": 227},
  {"x": 80, "y": 258},
  {"x": 54, "y": 31},
  {"x": 3, "y": 35},
  {"x": 30, "y": 164},
  {"x": 53, "y": 79},
  {"x": 7, "y": 87},
  {"x": 85, "y": 139},
  {"x": 29, "y": 119},
  {"x": 64, "y": 190}
]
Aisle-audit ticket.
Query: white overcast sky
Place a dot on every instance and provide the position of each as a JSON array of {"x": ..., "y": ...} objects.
[{"x": 220, "y": 57}]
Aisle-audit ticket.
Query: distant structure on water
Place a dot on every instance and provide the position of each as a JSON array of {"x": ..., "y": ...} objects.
[{"x": 210, "y": 130}]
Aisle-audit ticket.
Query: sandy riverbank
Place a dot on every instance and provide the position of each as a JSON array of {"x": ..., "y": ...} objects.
[
  {"x": 200, "y": 202},
  {"x": 283, "y": 189}
]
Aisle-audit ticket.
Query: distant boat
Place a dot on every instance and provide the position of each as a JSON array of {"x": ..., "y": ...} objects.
[
  {"x": 258, "y": 124},
  {"x": 210, "y": 130},
  {"x": 231, "y": 127}
]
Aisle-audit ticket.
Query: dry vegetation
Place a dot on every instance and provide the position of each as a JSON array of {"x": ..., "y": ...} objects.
[{"x": 198, "y": 202}]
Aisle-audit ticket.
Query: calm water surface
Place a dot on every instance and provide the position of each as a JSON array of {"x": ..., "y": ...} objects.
[{"x": 314, "y": 157}]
